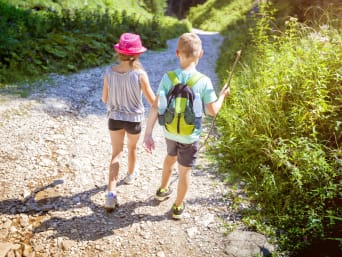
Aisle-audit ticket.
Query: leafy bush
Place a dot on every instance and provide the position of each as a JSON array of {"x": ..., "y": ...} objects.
[
  {"x": 34, "y": 43},
  {"x": 216, "y": 15},
  {"x": 130, "y": 6},
  {"x": 281, "y": 131},
  {"x": 156, "y": 6}
]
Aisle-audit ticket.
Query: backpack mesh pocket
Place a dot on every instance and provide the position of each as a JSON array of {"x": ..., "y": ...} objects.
[
  {"x": 189, "y": 116},
  {"x": 169, "y": 115}
]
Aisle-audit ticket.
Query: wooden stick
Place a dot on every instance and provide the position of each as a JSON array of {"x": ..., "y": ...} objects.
[{"x": 238, "y": 54}]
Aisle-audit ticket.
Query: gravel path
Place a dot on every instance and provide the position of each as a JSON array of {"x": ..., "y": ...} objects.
[{"x": 54, "y": 154}]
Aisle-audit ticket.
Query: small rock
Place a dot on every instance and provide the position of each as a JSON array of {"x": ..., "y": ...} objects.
[
  {"x": 160, "y": 254},
  {"x": 27, "y": 250},
  {"x": 192, "y": 232},
  {"x": 67, "y": 244},
  {"x": 24, "y": 220},
  {"x": 207, "y": 219}
]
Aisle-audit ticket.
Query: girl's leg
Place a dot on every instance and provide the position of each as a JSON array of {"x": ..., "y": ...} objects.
[
  {"x": 169, "y": 162},
  {"x": 132, "y": 140},
  {"x": 117, "y": 139},
  {"x": 183, "y": 183}
]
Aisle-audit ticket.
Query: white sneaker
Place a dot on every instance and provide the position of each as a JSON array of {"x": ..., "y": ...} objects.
[
  {"x": 130, "y": 178},
  {"x": 111, "y": 202}
]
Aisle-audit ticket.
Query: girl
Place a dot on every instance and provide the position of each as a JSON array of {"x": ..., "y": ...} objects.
[{"x": 123, "y": 86}]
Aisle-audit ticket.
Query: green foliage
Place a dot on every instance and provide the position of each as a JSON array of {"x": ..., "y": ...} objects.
[
  {"x": 130, "y": 6},
  {"x": 281, "y": 131},
  {"x": 308, "y": 11},
  {"x": 34, "y": 43},
  {"x": 156, "y": 6},
  {"x": 216, "y": 15}
]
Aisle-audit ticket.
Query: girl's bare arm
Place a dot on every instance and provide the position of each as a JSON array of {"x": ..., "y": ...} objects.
[
  {"x": 146, "y": 88},
  {"x": 105, "y": 90}
]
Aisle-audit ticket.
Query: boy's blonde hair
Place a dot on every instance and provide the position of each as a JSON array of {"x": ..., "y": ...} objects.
[{"x": 190, "y": 45}]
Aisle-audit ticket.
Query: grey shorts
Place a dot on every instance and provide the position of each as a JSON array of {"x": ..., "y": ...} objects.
[{"x": 186, "y": 153}]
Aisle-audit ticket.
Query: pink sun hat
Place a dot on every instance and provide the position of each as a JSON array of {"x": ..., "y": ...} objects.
[{"x": 129, "y": 44}]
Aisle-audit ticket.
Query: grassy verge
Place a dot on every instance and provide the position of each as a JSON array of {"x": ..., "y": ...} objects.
[{"x": 281, "y": 132}]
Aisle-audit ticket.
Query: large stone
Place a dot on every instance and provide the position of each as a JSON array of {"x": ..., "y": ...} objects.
[{"x": 247, "y": 243}]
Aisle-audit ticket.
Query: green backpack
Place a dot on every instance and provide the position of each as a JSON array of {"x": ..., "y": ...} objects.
[{"x": 179, "y": 115}]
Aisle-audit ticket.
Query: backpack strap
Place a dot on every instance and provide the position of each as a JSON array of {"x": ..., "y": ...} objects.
[
  {"x": 173, "y": 77},
  {"x": 194, "y": 78},
  {"x": 191, "y": 81}
]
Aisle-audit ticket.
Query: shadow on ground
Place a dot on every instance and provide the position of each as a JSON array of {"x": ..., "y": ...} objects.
[{"x": 98, "y": 224}]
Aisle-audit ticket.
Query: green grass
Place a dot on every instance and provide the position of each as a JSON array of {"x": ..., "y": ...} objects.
[
  {"x": 281, "y": 130},
  {"x": 284, "y": 130}
]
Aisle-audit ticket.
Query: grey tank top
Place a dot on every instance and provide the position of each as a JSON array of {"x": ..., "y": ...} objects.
[{"x": 124, "y": 96}]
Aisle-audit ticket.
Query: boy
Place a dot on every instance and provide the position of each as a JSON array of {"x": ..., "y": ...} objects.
[{"x": 183, "y": 148}]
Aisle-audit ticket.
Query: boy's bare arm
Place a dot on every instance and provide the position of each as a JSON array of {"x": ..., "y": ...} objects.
[
  {"x": 151, "y": 121},
  {"x": 214, "y": 107}
]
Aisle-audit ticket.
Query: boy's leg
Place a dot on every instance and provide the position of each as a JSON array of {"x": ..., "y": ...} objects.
[
  {"x": 117, "y": 140},
  {"x": 164, "y": 191},
  {"x": 169, "y": 162},
  {"x": 183, "y": 183},
  {"x": 186, "y": 157}
]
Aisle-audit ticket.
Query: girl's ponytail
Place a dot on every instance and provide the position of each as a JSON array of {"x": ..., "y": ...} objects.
[{"x": 133, "y": 61}]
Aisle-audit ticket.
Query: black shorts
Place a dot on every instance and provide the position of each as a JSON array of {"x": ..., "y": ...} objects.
[
  {"x": 186, "y": 153},
  {"x": 128, "y": 126}
]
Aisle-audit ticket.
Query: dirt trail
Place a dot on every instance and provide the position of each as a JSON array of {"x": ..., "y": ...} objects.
[{"x": 54, "y": 155}]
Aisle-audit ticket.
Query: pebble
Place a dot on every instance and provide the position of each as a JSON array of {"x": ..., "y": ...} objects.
[{"x": 161, "y": 254}]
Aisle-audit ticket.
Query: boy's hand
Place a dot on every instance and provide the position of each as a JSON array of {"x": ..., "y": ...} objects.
[
  {"x": 148, "y": 144},
  {"x": 225, "y": 91}
]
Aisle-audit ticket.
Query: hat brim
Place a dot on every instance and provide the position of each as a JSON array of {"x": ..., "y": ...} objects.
[{"x": 139, "y": 51}]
